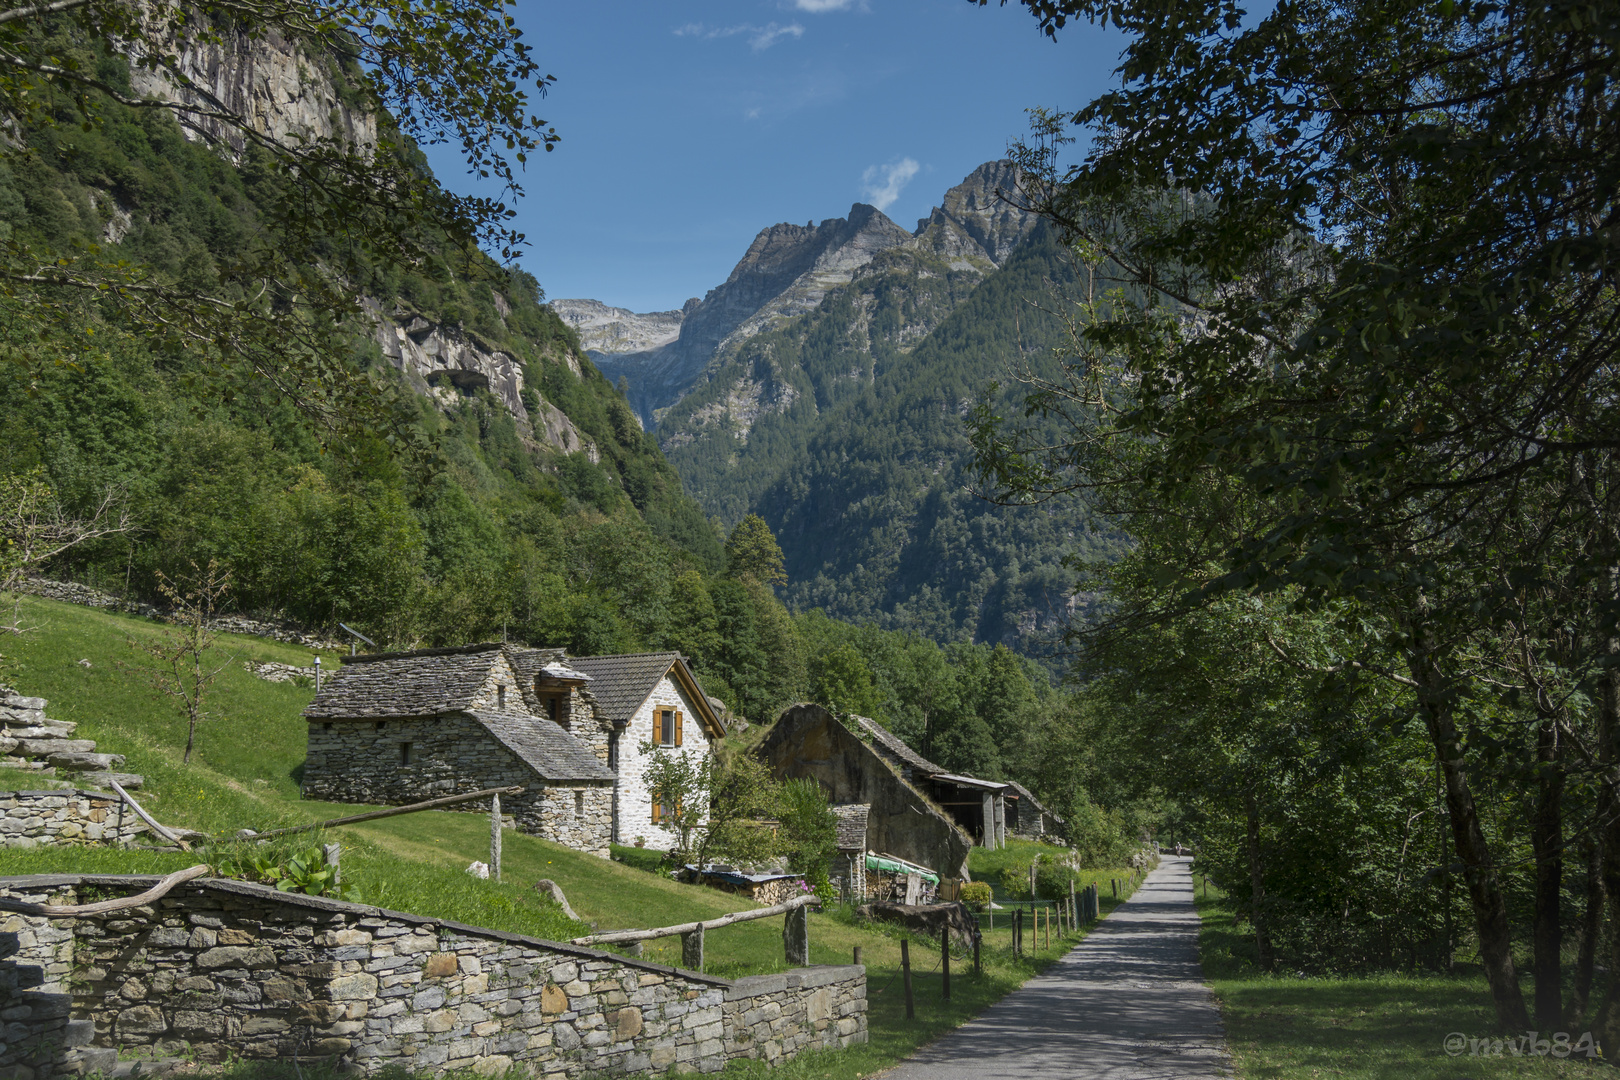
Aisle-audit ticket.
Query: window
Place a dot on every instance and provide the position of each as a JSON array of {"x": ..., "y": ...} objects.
[
  {"x": 404, "y": 753},
  {"x": 380, "y": 724},
  {"x": 662, "y": 811},
  {"x": 579, "y": 803},
  {"x": 555, "y": 707},
  {"x": 613, "y": 750},
  {"x": 667, "y": 727}
]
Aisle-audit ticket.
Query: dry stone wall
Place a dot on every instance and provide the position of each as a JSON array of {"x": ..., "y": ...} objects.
[
  {"x": 32, "y": 818},
  {"x": 226, "y": 967},
  {"x": 365, "y": 761}
]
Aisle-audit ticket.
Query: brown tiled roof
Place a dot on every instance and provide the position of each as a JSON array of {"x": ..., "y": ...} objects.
[
  {"x": 547, "y": 748},
  {"x": 526, "y": 665},
  {"x": 621, "y": 684},
  {"x": 852, "y": 825},
  {"x": 888, "y": 743},
  {"x": 421, "y": 683}
]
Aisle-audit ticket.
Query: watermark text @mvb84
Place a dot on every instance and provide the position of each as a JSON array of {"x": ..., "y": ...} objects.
[{"x": 1560, "y": 1044}]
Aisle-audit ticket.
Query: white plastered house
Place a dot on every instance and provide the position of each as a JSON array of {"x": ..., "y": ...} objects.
[{"x": 651, "y": 701}]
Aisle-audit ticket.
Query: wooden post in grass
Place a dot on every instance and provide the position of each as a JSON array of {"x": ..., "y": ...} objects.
[
  {"x": 692, "y": 949},
  {"x": 945, "y": 959},
  {"x": 1018, "y": 931},
  {"x": 978, "y": 969},
  {"x": 796, "y": 936},
  {"x": 495, "y": 838},
  {"x": 905, "y": 977},
  {"x": 1048, "y": 929},
  {"x": 857, "y": 956},
  {"x": 330, "y": 853},
  {"x": 1074, "y": 910}
]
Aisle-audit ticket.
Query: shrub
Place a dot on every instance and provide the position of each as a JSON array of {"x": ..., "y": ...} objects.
[{"x": 976, "y": 894}]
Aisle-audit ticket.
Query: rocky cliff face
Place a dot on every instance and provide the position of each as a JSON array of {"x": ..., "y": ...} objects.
[
  {"x": 274, "y": 88},
  {"x": 787, "y": 271},
  {"x": 446, "y": 363}
]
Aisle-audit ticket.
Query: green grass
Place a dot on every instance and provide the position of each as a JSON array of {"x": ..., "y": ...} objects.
[
  {"x": 1362, "y": 1027},
  {"x": 245, "y": 772}
]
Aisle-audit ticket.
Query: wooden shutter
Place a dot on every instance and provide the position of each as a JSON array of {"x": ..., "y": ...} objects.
[
  {"x": 658, "y": 726},
  {"x": 678, "y": 729},
  {"x": 657, "y": 811}
]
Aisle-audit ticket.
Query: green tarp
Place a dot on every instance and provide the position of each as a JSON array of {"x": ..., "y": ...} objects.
[{"x": 890, "y": 866}]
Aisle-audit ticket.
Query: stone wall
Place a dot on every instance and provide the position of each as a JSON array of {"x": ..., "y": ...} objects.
[
  {"x": 32, "y": 818},
  {"x": 226, "y": 967},
  {"x": 363, "y": 761},
  {"x": 71, "y": 592},
  {"x": 39, "y": 1037}
]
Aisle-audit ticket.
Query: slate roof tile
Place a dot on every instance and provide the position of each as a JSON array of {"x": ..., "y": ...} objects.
[
  {"x": 421, "y": 683},
  {"x": 852, "y": 818},
  {"x": 547, "y": 748},
  {"x": 526, "y": 665},
  {"x": 888, "y": 742}
]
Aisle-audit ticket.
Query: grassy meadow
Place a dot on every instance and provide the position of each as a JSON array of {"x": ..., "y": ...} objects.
[
  {"x": 245, "y": 773},
  {"x": 1363, "y": 1027}
]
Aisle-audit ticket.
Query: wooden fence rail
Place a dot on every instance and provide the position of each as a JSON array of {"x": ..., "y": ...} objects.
[{"x": 795, "y": 934}]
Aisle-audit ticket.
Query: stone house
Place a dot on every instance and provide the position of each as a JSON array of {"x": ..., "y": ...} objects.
[
  {"x": 649, "y": 704},
  {"x": 401, "y": 727}
]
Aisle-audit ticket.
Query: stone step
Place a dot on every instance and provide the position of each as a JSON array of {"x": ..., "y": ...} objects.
[
  {"x": 41, "y": 747},
  {"x": 87, "y": 762},
  {"x": 24, "y": 717},
  {"x": 31, "y": 770},
  {"x": 17, "y": 701},
  {"x": 51, "y": 729},
  {"x": 24, "y": 763},
  {"x": 105, "y": 779},
  {"x": 7, "y": 745}
]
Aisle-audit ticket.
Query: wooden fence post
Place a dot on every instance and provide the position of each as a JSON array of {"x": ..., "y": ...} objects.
[
  {"x": 977, "y": 968},
  {"x": 857, "y": 956},
  {"x": 330, "y": 853},
  {"x": 945, "y": 959},
  {"x": 1049, "y": 928},
  {"x": 905, "y": 977},
  {"x": 692, "y": 949},
  {"x": 796, "y": 936},
  {"x": 495, "y": 838}
]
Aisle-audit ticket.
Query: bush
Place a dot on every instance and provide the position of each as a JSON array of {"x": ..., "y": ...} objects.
[
  {"x": 1015, "y": 882},
  {"x": 976, "y": 894}
]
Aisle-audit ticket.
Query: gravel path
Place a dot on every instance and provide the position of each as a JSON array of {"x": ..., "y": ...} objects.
[{"x": 1128, "y": 1003}]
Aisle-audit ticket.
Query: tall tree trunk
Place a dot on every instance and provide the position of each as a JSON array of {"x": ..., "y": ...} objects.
[
  {"x": 1257, "y": 886},
  {"x": 1479, "y": 872},
  {"x": 1547, "y": 843},
  {"x": 1591, "y": 923}
]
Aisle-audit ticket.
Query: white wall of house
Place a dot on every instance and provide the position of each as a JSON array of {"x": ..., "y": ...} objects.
[{"x": 635, "y": 803}]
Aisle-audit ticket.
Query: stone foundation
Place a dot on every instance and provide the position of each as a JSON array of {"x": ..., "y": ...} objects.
[
  {"x": 226, "y": 967},
  {"x": 32, "y": 818}
]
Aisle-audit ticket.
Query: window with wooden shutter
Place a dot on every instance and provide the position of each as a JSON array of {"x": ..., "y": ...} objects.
[
  {"x": 658, "y": 726},
  {"x": 657, "y": 812},
  {"x": 678, "y": 719}
]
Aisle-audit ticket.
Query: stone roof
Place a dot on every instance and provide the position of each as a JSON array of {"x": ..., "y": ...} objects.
[
  {"x": 425, "y": 682},
  {"x": 621, "y": 684},
  {"x": 527, "y": 665},
  {"x": 889, "y": 744},
  {"x": 545, "y": 747},
  {"x": 852, "y": 819},
  {"x": 1028, "y": 798}
]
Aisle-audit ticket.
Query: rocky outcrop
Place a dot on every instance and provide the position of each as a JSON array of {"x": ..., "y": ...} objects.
[
  {"x": 283, "y": 94},
  {"x": 618, "y": 330},
  {"x": 268, "y": 82},
  {"x": 981, "y": 220}
]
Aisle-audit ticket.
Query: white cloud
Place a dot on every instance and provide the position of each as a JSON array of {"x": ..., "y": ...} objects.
[
  {"x": 760, "y": 37},
  {"x": 818, "y": 6},
  {"x": 882, "y": 184}
]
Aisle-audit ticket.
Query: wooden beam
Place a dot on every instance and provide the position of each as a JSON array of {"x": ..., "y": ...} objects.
[
  {"x": 74, "y": 910},
  {"x": 393, "y": 811},
  {"x": 144, "y": 816},
  {"x": 613, "y": 936}
]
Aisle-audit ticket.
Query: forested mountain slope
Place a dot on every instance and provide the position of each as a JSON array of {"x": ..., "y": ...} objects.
[{"x": 834, "y": 408}]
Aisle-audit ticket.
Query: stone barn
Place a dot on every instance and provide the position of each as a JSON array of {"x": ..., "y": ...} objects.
[
  {"x": 400, "y": 727},
  {"x": 903, "y": 818}
]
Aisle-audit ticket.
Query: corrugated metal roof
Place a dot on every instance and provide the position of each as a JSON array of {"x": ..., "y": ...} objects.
[
  {"x": 547, "y": 748},
  {"x": 421, "y": 683},
  {"x": 969, "y": 781}
]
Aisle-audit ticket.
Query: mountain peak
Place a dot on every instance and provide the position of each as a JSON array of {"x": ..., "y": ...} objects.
[{"x": 981, "y": 218}]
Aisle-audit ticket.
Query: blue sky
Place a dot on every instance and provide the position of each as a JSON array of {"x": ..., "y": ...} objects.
[{"x": 689, "y": 126}]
